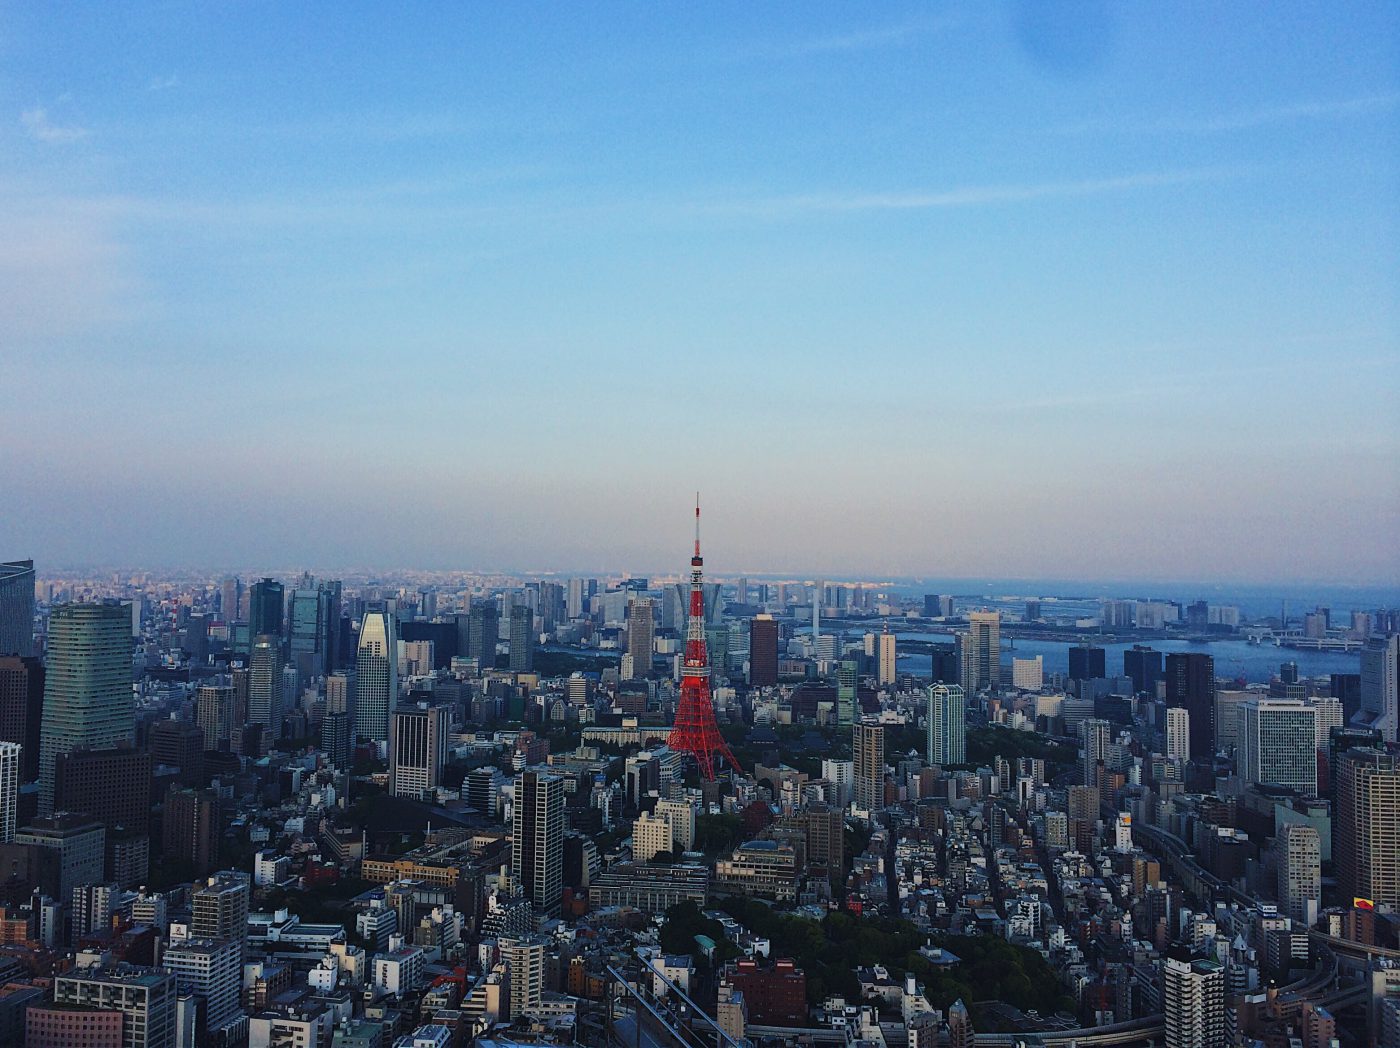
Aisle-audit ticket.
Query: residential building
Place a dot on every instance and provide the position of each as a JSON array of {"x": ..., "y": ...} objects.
[
  {"x": 868, "y": 748},
  {"x": 947, "y": 725},
  {"x": 980, "y": 651},
  {"x": 1194, "y": 1004},
  {"x": 537, "y": 833},
  {"x": 1366, "y": 844}
]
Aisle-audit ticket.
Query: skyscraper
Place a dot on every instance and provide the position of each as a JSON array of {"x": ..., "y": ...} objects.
[
  {"x": 230, "y": 595},
  {"x": 307, "y": 620},
  {"x": 376, "y": 675},
  {"x": 1087, "y": 662},
  {"x": 190, "y": 828},
  {"x": 417, "y": 749},
  {"x": 265, "y": 609},
  {"x": 1143, "y": 665},
  {"x": 980, "y": 651},
  {"x": 1366, "y": 844},
  {"x": 947, "y": 715},
  {"x": 1094, "y": 736},
  {"x": 641, "y": 634},
  {"x": 868, "y": 752},
  {"x": 17, "y": 608},
  {"x": 1298, "y": 858},
  {"x": 522, "y": 639},
  {"x": 483, "y": 631},
  {"x": 214, "y": 713},
  {"x": 763, "y": 651},
  {"x": 885, "y": 660},
  {"x": 22, "y": 708},
  {"x": 9, "y": 789},
  {"x": 1380, "y": 687},
  {"x": 1194, "y": 1003},
  {"x": 1179, "y": 733},
  {"x": 1277, "y": 743},
  {"x": 265, "y": 685},
  {"x": 847, "y": 692},
  {"x": 537, "y": 840},
  {"x": 88, "y": 701},
  {"x": 1190, "y": 680}
]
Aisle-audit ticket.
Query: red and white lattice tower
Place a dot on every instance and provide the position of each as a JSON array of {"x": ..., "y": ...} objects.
[{"x": 695, "y": 731}]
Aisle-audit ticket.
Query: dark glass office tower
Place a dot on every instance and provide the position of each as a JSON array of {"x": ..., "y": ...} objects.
[
  {"x": 265, "y": 609},
  {"x": 88, "y": 701},
  {"x": 763, "y": 651},
  {"x": 17, "y": 608},
  {"x": 1190, "y": 680},
  {"x": 1144, "y": 666},
  {"x": 1087, "y": 663}
]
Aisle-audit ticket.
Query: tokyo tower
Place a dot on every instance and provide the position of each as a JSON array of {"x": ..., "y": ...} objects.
[{"x": 695, "y": 731}]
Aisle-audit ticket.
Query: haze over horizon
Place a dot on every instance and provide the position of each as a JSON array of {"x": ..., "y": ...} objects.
[{"x": 980, "y": 291}]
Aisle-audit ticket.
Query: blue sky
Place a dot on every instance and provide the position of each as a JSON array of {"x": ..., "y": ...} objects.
[{"x": 1066, "y": 290}]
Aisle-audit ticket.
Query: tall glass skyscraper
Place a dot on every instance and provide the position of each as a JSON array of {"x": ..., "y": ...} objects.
[
  {"x": 265, "y": 608},
  {"x": 88, "y": 702},
  {"x": 265, "y": 685},
  {"x": 376, "y": 675},
  {"x": 522, "y": 639},
  {"x": 17, "y": 608},
  {"x": 947, "y": 725},
  {"x": 980, "y": 651}
]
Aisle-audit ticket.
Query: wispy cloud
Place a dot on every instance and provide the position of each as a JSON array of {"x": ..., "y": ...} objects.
[
  {"x": 873, "y": 38},
  {"x": 163, "y": 83},
  {"x": 966, "y": 196},
  {"x": 1244, "y": 120},
  {"x": 39, "y": 127}
]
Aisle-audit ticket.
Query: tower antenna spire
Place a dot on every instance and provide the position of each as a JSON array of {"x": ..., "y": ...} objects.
[{"x": 695, "y": 731}]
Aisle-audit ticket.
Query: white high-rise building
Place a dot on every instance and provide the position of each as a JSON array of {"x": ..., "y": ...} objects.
[
  {"x": 1194, "y": 1004},
  {"x": 1179, "y": 732},
  {"x": 1028, "y": 674},
  {"x": 1298, "y": 854},
  {"x": 886, "y": 657},
  {"x": 376, "y": 675},
  {"x": 10, "y": 754},
  {"x": 1380, "y": 687},
  {"x": 1278, "y": 743},
  {"x": 1329, "y": 716},
  {"x": 210, "y": 969},
  {"x": 840, "y": 774},
  {"x": 1123, "y": 832},
  {"x": 524, "y": 960},
  {"x": 1094, "y": 736},
  {"x": 947, "y": 725}
]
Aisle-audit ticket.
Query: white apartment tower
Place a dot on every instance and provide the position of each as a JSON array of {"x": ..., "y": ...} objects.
[{"x": 1179, "y": 732}]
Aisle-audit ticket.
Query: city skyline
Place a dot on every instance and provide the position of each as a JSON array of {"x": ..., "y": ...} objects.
[{"x": 984, "y": 291}]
